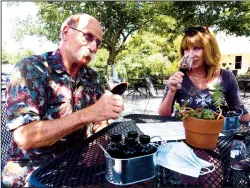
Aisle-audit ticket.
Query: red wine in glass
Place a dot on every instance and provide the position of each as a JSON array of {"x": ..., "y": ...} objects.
[
  {"x": 120, "y": 88},
  {"x": 185, "y": 64}
]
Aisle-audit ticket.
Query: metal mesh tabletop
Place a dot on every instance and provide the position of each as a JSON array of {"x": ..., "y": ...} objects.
[{"x": 84, "y": 165}]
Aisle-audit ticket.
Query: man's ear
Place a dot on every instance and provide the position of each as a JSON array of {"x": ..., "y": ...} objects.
[{"x": 65, "y": 32}]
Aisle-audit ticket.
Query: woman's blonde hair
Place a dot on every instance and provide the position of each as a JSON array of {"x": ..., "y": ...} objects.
[{"x": 206, "y": 40}]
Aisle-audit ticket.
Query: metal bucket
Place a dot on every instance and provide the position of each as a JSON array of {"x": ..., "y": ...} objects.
[
  {"x": 131, "y": 170},
  {"x": 232, "y": 122}
]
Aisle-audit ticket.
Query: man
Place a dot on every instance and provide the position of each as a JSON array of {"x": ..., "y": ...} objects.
[{"x": 52, "y": 99}]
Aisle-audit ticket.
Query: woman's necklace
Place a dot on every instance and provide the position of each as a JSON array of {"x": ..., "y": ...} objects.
[{"x": 197, "y": 78}]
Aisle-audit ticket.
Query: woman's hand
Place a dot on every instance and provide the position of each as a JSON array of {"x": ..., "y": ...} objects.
[{"x": 174, "y": 82}]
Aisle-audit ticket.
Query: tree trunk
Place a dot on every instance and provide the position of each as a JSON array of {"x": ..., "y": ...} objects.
[{"x": 112, "y": 56}]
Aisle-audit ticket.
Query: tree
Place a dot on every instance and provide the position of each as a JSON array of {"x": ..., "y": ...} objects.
[
  {"x": 121, "y": 19},
  {"x": 13, "y": 58},
  {"x": 233, "y": 17},
  {"x": 148, "y": 55},
  {"x": 118, "y": 19},
  {"x": 100, "y": 64},
  {"x": 5, "y": 57}
]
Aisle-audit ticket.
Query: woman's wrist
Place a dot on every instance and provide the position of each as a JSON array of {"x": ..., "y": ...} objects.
[{"x": 171, "y": 92}]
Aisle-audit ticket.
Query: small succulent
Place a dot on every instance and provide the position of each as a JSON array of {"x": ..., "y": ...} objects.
[{"x": 202, "y": 113}]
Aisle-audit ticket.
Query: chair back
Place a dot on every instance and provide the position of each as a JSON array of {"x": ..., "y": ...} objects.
[
  {"x": 151, "y": 88},
  {"x": 235, "y": 72},
  {"x": 6, "y": 136}
]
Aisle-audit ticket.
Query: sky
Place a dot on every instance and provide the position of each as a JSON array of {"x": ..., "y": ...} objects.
[
  {"x": 9, "y": 17},
  {"x": 227, "y": 44}
]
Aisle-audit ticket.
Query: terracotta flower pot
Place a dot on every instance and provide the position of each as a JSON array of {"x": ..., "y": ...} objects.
[{"x": 202, "y": 133}]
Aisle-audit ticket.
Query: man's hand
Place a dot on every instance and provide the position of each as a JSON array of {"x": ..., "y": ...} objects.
[
  {"x": 100, "y": 125},
  {"x": 109, "y": 106}
]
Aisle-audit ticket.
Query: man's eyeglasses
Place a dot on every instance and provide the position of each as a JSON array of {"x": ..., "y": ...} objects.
[
  {"x": 193, "y": 30},
  {"x": 89, "y": 37}
]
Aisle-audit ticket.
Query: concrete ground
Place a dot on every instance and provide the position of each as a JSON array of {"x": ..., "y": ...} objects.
[{"x": 141, "y": 105}]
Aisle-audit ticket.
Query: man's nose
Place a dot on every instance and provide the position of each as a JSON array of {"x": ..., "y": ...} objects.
[{"x": 93, "y": 46}]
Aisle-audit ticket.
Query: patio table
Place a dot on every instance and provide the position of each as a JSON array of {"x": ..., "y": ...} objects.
[{"x": 84, "y": 165}]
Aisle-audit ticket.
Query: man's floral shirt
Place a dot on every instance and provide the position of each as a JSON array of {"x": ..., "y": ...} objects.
[{"x": 41, "y": 89}]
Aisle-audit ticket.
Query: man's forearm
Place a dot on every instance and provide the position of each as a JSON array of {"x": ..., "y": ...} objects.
[{"x": 45, "y": 133}]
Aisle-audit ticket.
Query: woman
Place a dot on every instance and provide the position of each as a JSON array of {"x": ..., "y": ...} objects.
[{"x": 201, "y": 46}]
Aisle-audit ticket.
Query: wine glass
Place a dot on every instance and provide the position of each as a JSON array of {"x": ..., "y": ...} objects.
[
  {"x": 185, "y": 65},
  {"x": 117, "y": 81}
]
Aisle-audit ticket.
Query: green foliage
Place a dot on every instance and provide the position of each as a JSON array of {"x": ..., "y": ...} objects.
[
  {"x": 100, "y": 64},
  {"x": 5, "y": 57},
  {"x": 208, "y": 114},
  {"x": 217, "y": 96},
  {"x": 13, "y": 58},
  {"x": 145, "y": 56},
  {"x": 201, "y": 113},
  {"x": 244, "y": 76},
  {"x": 120, "y": 19},
  {"x": 231, "y": 16}
]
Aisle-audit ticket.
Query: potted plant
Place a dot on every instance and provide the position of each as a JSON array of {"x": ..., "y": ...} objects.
[{"x": 202, "y": 126}]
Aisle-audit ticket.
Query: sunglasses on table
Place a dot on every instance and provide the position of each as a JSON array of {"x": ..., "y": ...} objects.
[
  {"x": 193, "y": 30},
  {"x": 89, "y": 37}
]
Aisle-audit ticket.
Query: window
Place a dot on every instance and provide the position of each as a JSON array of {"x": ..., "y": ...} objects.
[
  {"x": 238, "y": 58},
  {"x": 238, "y": 61}
]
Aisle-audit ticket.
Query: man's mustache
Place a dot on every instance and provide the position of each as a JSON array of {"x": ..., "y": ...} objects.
[{"x": 85, "y": 52}]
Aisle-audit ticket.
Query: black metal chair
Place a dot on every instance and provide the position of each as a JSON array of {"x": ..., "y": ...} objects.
[
  {"x": 136, "y": 84},
  {"x": 244, "y": 86},
  {"x": 153, "y": 92},
  {"x": 235, "y": 72},
  {"x": 6, "y": 136}
]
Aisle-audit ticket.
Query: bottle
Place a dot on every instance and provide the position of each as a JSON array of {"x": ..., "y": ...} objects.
[
  {"x": 238, "y": 153},
  {"x": 115, "y": 146},
  {"x": 134, "y": 135},
  {"x": 145, "y": 148},
  {"x": 129, "y": 150}
]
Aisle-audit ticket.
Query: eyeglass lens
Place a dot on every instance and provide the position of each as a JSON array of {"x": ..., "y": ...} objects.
[{"x": 89, "y": 37}]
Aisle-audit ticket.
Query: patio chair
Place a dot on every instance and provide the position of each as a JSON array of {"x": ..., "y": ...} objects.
[
  {"x": 151, "y": 89},
  {"x": 244, "y": 86},
  {"x": 6, "y": 136},
  {"x": 136, "y": 84},
  {"x": 235, "y": 72}
]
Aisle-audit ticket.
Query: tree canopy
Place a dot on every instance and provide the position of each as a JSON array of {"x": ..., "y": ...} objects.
[
  {"x": 13, "y": 58},
  {"x": 118, "y": 19},
  {"x": 122, "y": 18}
]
